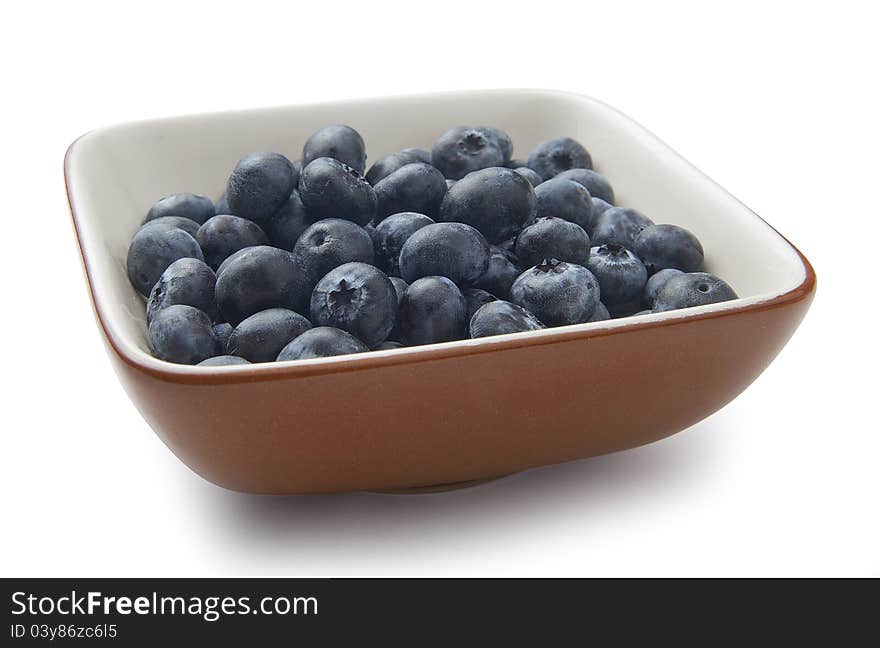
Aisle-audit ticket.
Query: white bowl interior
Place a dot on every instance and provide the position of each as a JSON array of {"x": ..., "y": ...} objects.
[{"x": 115, "y": 174}]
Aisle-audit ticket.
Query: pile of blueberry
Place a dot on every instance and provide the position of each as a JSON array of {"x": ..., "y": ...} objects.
[{"x": 313, "y": 258}]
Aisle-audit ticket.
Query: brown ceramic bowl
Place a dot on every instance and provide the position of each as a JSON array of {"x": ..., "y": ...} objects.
[{"x": 444, "y": 413}]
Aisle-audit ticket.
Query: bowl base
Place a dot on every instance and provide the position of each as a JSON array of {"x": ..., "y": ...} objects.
[{"x": 437, "y": 488}]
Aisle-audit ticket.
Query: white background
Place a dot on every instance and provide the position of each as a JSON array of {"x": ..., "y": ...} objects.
[{"x": 776, "y": 102}]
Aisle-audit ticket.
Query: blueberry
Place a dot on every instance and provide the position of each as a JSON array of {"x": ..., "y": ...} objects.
[
  {"x": 461, "y": 150},
  {"x": 655, "y": 283},
  {"x": 400, "y": 287},
  {"x": 497, "y": 201},
  {"x": 223, "y": 331},
  {"x": 618, "y": 225},
  {"x": 600, "y": 314},
  {"x": 223, "y": 361},
  {"x": 391, "y": 234},
  {"x": 391, "y": 163},
  {"x": 532, "y": 176},
  {"x": 358, "y": 298},
  {"x": 692, "y": 289},
  {"x": 339, "y": 142},
  {"x": 259, "y": 278},
  {"x": 595, "y": 183},
  {"x": 620, "y": 274},
  {"x": 260, "y": 337},
  {"x": 556, "y": 292},
  {"x": 554, "y": 156},
  {"x": 187, "y": 205},
  {"x": 501, "y": 139},
  {"x": 432, "y": 310},
  {"x": 227, "y": 261},
  {"x": 328, "y": 244},
  {"x": 500, "y": 317},
  {"x": 550, "y": 238},
  {"x": 331, "y": 189},
  {"x": 388, "y": 345},
  {"x": 222, "y": 205},
  {"x": 186, "y": 224},
  {"x": 508, "y": 245},
  {"x": 416, "y": 187},
  {"x": 184, "y": 335},
  {"x": 321, "y": 342},
  {"x": 516, "y": 163},
  {"x": 223, "y": 235},
  {"x": 599, "y": 207},
  {"x": 370, "y": 229},
  {"x": 474, "y": 298},
  {"x": 154, "y": 248},
  {"x": 449, "y": 183},
  {"x": 186, "y": 281},
  {"x": 566, "y": 200},
  {"x": 288, "y": 223},
  {"x": 502, "y": 271},
  {"x": 669, "y": 246},
  {"x": 452, "y": 250},
  {"x": 259, "y": 185}
]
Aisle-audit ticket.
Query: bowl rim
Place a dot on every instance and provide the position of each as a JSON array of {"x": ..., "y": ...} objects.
[{"x": 191, "y": 374}]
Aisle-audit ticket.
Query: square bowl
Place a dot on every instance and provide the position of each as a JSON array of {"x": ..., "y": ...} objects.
[{"x": 448, "y": 413}]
